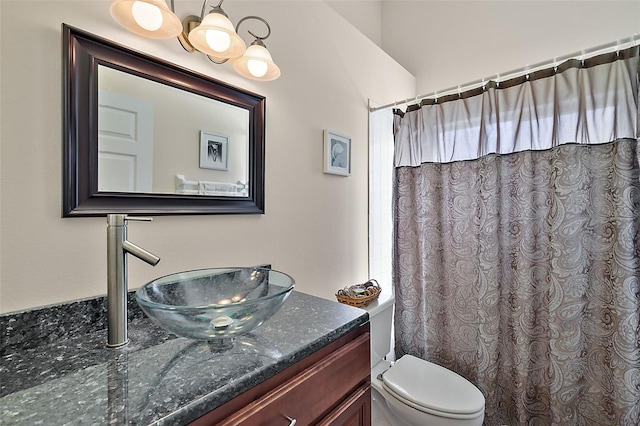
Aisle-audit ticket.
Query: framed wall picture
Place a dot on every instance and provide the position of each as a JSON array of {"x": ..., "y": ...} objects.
[
  {"x": 337, "y": 153},
  {"x": 214, "y": 151}
]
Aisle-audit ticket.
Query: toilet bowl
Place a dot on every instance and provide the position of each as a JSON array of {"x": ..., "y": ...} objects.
[
  {"x": 419, "y": 393},
  {"x": 412, "y": 391}
]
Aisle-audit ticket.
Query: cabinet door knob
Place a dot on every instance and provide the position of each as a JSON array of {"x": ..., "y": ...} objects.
[{"x": 292, "y": 421}]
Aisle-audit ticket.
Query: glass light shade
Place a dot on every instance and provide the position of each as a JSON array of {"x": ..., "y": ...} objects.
[
  {"x": 257, "y": 68},
  {"x": 256, "y": 64},
  {"x": 218, "y": 40},
  {"x": 147, "y": 15},
  {"x": 216, "y": 37},
  {"x": 147, "y": 18}
]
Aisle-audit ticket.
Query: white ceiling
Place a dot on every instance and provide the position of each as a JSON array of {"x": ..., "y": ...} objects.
[
  {"x": 452, "y": 42},
  {"x": 365, "y": 15}
]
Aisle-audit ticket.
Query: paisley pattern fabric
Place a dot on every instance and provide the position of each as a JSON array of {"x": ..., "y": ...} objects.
[
  {"x": 517, "y": 242},
  {"x": 521, "y": 273}
]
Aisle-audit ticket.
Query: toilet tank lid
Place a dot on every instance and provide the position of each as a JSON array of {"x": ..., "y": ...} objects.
[
  {"x": 434, "y": 387},
  {"x": 384, "y": 301}
]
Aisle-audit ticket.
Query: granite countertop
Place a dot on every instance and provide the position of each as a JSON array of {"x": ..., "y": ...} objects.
[{"x": 55, "y": 367}]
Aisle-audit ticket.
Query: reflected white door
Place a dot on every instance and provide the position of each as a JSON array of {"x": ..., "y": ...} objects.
[{"x": 125, "y": 143}]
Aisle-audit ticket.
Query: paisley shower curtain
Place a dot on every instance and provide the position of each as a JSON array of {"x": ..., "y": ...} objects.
[{"x": 517, "y": 242}]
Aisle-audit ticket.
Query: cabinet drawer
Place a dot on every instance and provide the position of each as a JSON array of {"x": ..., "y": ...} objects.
[
  {"x": 354, "y": 411},
  {"x": 313, "y": 393}
]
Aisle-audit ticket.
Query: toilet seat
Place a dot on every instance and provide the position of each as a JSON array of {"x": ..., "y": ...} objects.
[{"x": 433, "y": 389}]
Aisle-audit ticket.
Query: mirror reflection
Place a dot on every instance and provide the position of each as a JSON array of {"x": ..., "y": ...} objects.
[{"x": 154, "y": 138}]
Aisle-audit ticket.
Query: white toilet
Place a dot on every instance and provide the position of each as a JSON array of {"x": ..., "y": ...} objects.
[{"x": 413, "y": 391}]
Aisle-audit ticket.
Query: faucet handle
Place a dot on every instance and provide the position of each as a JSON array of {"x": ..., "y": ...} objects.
[
  {"x": 139, "y": 218},
  {"x": 121, "y": 219}
]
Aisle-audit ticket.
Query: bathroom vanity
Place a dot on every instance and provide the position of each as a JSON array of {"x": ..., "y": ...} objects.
[
  {"x": 309, "y": 362},
  {"x": 330, "y": 387}
]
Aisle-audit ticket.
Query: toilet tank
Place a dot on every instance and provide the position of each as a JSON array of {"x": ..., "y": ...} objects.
[{"x": 381, "y": 322}]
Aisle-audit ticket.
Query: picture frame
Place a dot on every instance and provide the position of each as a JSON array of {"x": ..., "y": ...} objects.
[
  {"x": 214, "y": 151},
  {"x": 337, "y": 153}
]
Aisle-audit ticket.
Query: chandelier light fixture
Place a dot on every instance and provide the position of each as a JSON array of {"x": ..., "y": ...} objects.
[{"x": 210, "y": 33}]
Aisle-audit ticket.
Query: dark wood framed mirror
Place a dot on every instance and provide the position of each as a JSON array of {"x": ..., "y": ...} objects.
[{"x": 196, "y": 160}]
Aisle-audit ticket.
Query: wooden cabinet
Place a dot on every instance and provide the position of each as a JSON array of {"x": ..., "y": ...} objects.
[
  {"x": 329, "y": 387},
  {"x": 354, "y": 411}
]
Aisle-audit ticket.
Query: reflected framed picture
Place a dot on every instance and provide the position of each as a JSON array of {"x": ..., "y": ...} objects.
[
  {"x": 337, "y": 153},
  {"x": 214, "y": 151}
]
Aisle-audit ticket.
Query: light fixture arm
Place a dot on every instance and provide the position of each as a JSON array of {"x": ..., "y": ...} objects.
[
  {"x": 215, "y": 61},
  {"x": 258, "y": 39},
  {"x": 215, "y": 9},
  {"x": 259, "y": 19}
]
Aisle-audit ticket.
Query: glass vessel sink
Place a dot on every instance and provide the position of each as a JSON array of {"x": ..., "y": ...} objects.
[{"x": 216, "y": 304}]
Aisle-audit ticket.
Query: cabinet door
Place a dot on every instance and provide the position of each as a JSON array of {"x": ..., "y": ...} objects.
[
  {"x": 314, "y": 392},
  {"x": 354, "y": 411}
]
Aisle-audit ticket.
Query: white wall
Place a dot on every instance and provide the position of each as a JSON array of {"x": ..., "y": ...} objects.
[
  {"x": 315, "y": 226},
  {"x": 450, "y": 43}
]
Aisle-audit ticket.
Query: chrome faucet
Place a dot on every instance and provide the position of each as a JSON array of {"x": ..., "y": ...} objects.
[{"x": 117, "y": 248}]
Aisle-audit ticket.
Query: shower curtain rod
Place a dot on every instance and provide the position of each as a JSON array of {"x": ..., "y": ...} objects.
[{"x": 583, "y": 54}]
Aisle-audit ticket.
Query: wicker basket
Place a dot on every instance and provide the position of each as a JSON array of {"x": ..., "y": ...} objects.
[{"x": 359, "y": 295}]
